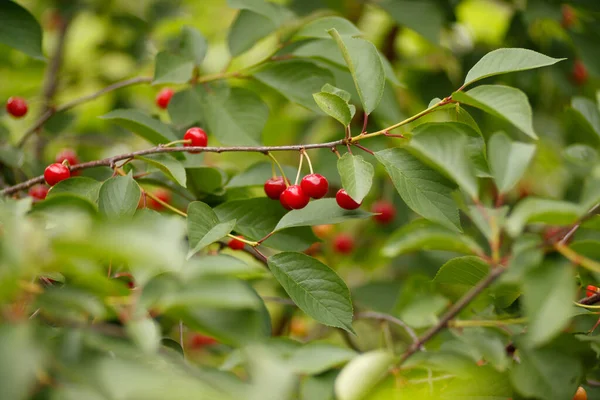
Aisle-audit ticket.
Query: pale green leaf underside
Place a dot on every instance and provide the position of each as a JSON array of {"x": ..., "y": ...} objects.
[
  {"x": 357, "y": 175},
  {"x": 334, "y": 106},
  {"x": 508, "y": 160}
]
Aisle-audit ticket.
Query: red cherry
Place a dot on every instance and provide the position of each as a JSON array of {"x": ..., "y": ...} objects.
[
  {"x": 274, "y": 187},
  {"x": 579, "y": 73},
  {"x": 294, "y": 198},
  {"x": 198, "y": 138},
  {"x": 591, "y": 290},
  {"x": 568, "y": 16},
  {"x": 197, "y": 341},
  {"x": 16, "y": 106},
  {"x": 71, "y": 156},
  {"x": 161, "y": 194},
  {"x": 164, "y": 97},
  {"x": 315, "y": 185},
  {"x": 343, "y": 244},
  {"x": 385, "y": 212},
  {"x": 55, "y": 173},
  {"x": 235, "y": 244},
  {"x": 345, "y": 201},
  {"x": 284, "y": 203},
  {"x": 39, "y": 192}
]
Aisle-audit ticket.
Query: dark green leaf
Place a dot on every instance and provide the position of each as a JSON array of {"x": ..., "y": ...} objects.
[
  {"x": 366, "y": 68},
  {"x": 547, "y": 211},
  {"x": 216, "y": 292},
  {"x": 257, "y": 175},
  {"x": 185, "y": 108},
  {"x": 193, "y": 44},
  {"x": 423, "y": 16},
  {"x": 357, "y": 175},
  {"x": 460, "y": 274},
  {"x": 147, "y": 127},
  {"x": 314, "y": 287},
  {"x": 275, "y": 12},
  {"x": 588, "y": 110},
  {"x": 247, "y": 29},
  {"x": 119, "y": 197},
  {"x": 172, "y": 68},
  {"x": 85, "y": 187},
  {"x": 204, "y": 227},
  {"x": 319, "y": 212},
  {"x": 205, "y": 180},
  {"x": 20, "y": 30},
  {"x": 335, "y": 107},
  {"x": 424, "y": 190},
  {"x": 508, "y": 160},
  {"x": 172, "y": 168}
]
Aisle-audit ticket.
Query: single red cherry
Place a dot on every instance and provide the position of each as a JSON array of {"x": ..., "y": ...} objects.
[
  {"x": 343, "y": 243},
  {"x": 294, "y": 197},
  {"x": 345, "y": 201},
  {"x": 16, "y": 106},
  {"x": 385, "y": 212},
  {"x": 274, "y": 187},
  {"x": 55, "y": 173},
  {"x": 591, "y": 290},
  {"x": 71, "y": 156},
  {"x": 568, "y": 16},
  {"x": 161, "y": 194},
  {"x": 284, "y": 203},
  {"x": 315, "y": 185},
  {"x": 39, "y": 192},
  {"x": 164, "y": 97},
  {"x": 235, "y": 244},
  {"x": 197, "y": 136},
  {"x": 579, "y": 73},
  {"x": 197, "y": 341}
]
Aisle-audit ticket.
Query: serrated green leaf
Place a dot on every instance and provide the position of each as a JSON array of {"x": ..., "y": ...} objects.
[
  {"x": 445, "y": 146},
  {"x": 235, "y": 116},
  {"x": 86, "y": 187},
  {"x": 422, "y": 235},
  {"x": 508, "y": 160},
  {"x": 319, "y": 212},
  {"x": 193, "y": 44},
  {"x": 548, "y": 311},
  {"x": 547, "y": 211},
  {"x": 424, "y": 190},
  {"x": 335, "y": 107},
  {"x": 504, "y": 102},
  {"x": 357, "y": 175},
  {"x": 172, "y": 68},
  {"x": 362, "y": 374},
  {"x": 296, "y": 80},
  {"x": 314, "y": 287},
  {"x": 319, "y": 27},
  {"x": 247, "y": 29},
  {"x": 20, "y": 30},
  {"x": 172, "y": 168},
  {"x": 204, "y": 226},
  {"x": 460, "y": 274},
  {"x": 502, "y": 61},
  {"x": 366, "y": 68},
  {"x": 119, "y": 197},
  {"x": 315, "y": 358}
]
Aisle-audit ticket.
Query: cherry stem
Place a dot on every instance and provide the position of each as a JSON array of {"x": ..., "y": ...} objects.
[
  {"x": 364, "y": 149},
  {"x": 182, "y": 141},
  {"x": 285, "y": 179},
  {"x": 307, "y": 160},
  {"x": 248, "y": 242},
  {"x": 166, "y": 205},
  {"x": 365, "y": 121},
  {"x": 299, "y": 167}
]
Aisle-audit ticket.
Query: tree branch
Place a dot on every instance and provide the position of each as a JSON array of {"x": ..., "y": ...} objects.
[{"x": 453, "y": 312}]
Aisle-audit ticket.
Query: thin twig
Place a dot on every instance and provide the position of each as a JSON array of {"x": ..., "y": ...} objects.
[
  {"x": 453, "y": 312},
  {"x": 389, "y": 318},
  {"x": 575, "y": 227}
]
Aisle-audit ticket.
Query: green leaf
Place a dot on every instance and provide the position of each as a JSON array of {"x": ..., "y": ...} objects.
[
  {"x": 425, "y": 17},
  {"x": 18, "y": 344},
  {"x": 216, "y": 292},
  {"x": 547, "y": 211},
  {"x": 257, "y": 174},
  {"x": 546, "y": 373},
  {"x": 421, "y": 235},
  {"x": 460, "y": 274},
  {"x": 488, "y": 219},
  {"x": 548, "y": 311},
  {"x": 145, "y": 334},
  {"x": 315, "y": 358},
  {"x": 424, "y": 190},
  {"x": 204, "y": 226},
  {"x": 222, "y": 265},
  {"x": 327, "y": 88},
  {"x": 68, "y": 202},
  {"x": 588, "y": 110},
  {"x": 314, "y": 287},
  {"x": 501, "y": 101},
  {"x": 362, "y": 374},
  {"x": 275, "y": 12},
  {"x": 508, "y": 160},
  {"x": 172, "y": 68},
  {"x": 193, "y": 44},
  {"x": 364, "y": 63},
  {"x": 490, "y": 343},
  {"x": 319, "y": 387},
  {"x": 445, "y": 146},
  {"x": 147, "y": 127},
  {"x": 119, "y": 197},
  {"x": 20, "y": 30},
  {"x": 172, "y": 168},
  {"x": 185, "y": 108},
  {"x": 357, "y": 175},
  {"x": 502, "y": 61},
  {"x": 335, "y": 107},
  {"x": 87, "y": 188},
  {"x": 235, "y": 116},
  {"x": 319, "y": 212},
  {"x": 247, "y": 29},
  {"x": 296, "y": 80},
  {"x": 205, "y": 180},
  {"x": 318, "y": 28}
]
